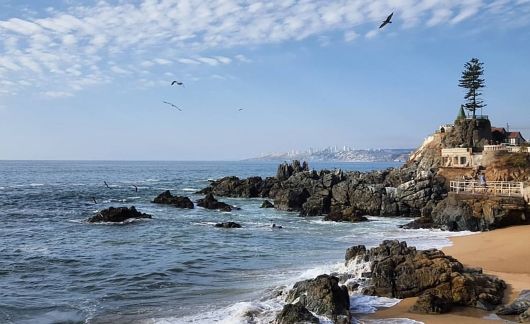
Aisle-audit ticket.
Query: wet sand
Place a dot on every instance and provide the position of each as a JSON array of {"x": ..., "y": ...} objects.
[{"x": 504, "y": 253}]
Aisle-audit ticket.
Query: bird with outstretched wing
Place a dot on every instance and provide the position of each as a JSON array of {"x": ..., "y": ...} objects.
[
  {"x": 387, "y": 21},
  {"x": 172, "y": 105}
]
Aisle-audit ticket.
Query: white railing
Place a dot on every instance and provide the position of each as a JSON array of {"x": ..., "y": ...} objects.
[
  {"x": 497, "y": 188},
  {"x": 494, "y": 148}
]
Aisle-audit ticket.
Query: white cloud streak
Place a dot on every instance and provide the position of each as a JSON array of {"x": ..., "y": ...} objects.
[{"x": 72, "y": 45}]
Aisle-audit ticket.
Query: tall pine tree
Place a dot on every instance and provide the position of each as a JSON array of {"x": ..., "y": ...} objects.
[{"x": 472, "y": 81}]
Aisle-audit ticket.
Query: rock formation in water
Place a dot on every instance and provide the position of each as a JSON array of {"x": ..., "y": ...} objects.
[
  {"x": 324, "y": 296},
  {"x": 228, "y": 225},
  {"x": 399, "y": 271},
  {"x": 117, "y": 215},
  {"x": 393, "y": 192},
  {"x": 209, "y": 202},
  {"x": 295, "y": 314},
  {"x": 167, "y": 198}
]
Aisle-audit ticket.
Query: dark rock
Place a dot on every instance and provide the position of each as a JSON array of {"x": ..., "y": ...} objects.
[
  {"x": 429, "y": 303},
  {"x": 399, "y": 271},
  {"x": 347, "y": 215},
  {"x": 286, "y": 170},
  {"x": 479, "y": 213},
  {"x": 525, "y": 316},
  {"x": 168, "y": 199},
  {"x": 228, "y": 225},
  {"x": 267, "y": 204},
  {"x": 518, "y": 306},
  {"x": 209, "y": 202},
  {"x": 421, "y": 222},
  {"x": 291, "y": 200},
  {"x": 295, "y": 314},
  {"x": 322, "y": 295},
  {"x": 117, "y": 215}
]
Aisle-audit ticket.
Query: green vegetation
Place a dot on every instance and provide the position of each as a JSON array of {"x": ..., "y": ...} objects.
[{"x": 472, "y": 81}]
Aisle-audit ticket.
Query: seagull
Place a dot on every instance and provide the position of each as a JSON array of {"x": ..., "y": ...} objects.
[
  {"x": 172, "y": 105},
  {"x": 135, "y": 188},
  {"x": 177, "y": 83},
  {"x": 387, "y": 21},
  {"x": 95, "y": 201}
]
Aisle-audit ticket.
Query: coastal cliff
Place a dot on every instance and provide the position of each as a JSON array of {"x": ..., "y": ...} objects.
[{"x": 420, "y": 188}]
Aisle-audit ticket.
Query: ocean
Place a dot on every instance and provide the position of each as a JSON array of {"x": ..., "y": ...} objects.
[{"x": 174, "y": 268}]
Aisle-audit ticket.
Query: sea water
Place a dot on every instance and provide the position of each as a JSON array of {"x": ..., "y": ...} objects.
[{"x": 174, "y": 268}]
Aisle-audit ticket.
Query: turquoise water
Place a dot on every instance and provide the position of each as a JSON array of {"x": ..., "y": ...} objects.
[{"x": 173, "y": 268}]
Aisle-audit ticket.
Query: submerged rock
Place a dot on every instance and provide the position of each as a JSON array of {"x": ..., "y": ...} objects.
[
  {"x": 267, "y": 204},
  {"x": 178, "y": 201},
  {"x": 117, "y": 215},
  {"x": 346, "y": 215},
  {"x": 209, "y": 202},
  {"x": 323, "y": 296},
  {"x": 228, "y": 225},
  {"x": 295, "y": 314},
  {"x": 399, "y": 271}
]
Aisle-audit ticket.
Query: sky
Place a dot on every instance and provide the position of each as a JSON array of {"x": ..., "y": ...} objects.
[{"x": 87, "y": 79}]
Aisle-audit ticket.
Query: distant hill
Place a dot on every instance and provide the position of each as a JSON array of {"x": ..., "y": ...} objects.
[{"x": 333, "y": 154}]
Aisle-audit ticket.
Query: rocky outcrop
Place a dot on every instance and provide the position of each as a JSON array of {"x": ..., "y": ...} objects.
[
  {"x": 267, "y": 204},
  {"x": 234, "y": 187},
  {"x": 475, "y": 213},
  {"x": 209, "y": 202},
  {"x": 167, "y": 198},
  {"x": 346, "y": 215},
  {"x": 117, "y": 215},
  {"x": 286, "y": 170},
  {"x": 408, "y": 191},
  {"x": 228, "y": 225},
  {"x": 518, "y": 306},
  {"x": 295, "y": 314},
  {"x": 399, "y": 271},
  {"x": 323, "y": 296}
]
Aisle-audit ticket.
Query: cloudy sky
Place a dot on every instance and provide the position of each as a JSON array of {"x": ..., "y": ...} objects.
[{"x": 86, "y": 79}]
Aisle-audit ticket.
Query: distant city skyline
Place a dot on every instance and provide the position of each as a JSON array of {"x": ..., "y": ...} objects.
[{"x": 86, "y": 80}]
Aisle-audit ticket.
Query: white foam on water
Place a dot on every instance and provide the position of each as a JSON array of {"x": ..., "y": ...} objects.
[
  {"x": 265, "y": 310},
  {"x": 36, "y": 184},
  {"x": 190, "y": 189}
]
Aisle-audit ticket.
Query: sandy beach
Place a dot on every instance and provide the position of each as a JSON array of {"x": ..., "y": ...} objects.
[{"x": 504, "y": 253}]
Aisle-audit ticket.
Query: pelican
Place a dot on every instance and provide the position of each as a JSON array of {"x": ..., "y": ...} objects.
[
  {"x": 135, "y": 188},
  {"x": 177, "y": 83},
  {"x": 387, "y": 21},
  {"x": 95, "y": 201},
  {"x": 106, "y": 184},
  {"x": 172, "y": 105}
]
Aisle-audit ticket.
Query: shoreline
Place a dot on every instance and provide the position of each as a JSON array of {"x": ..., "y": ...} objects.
[{"x": 502, "y": 252}]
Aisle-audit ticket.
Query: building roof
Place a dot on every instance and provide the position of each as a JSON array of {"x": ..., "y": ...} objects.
[
  {"x": 498, "y": 129},
  {"x": 515, "y": 135}
]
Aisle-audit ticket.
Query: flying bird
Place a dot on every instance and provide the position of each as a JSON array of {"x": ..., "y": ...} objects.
[
  {"x": 240, "y": 109},
  {"x": 95, "y": 201},
  {"x": 172, "y": 105},
  {"x": 387, "y": 21},
  {"x": 135, "y": 188},
  {"x": 177, "y": 83},
  {"x": 106, "y": 184}
]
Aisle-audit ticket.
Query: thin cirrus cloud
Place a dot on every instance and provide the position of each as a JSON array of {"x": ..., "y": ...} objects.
[{"x": 71, "y": 45}]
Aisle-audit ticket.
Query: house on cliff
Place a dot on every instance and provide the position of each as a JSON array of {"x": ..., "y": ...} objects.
[{"x": 501, "y": 136}]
